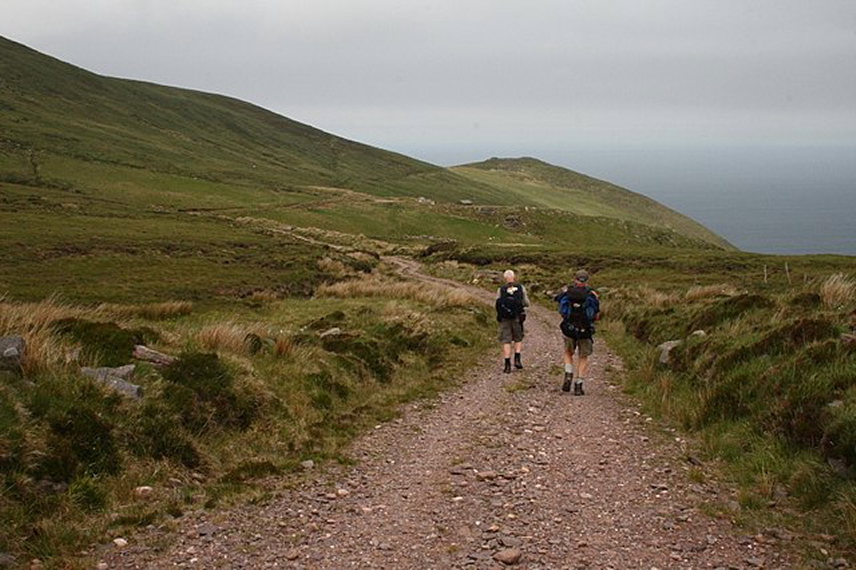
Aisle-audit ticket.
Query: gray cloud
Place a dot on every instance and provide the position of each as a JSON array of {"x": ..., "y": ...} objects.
[{"x": 421, "y": 74}]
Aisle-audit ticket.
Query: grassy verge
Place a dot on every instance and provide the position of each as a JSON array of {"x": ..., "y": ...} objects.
[
  {"x": 770, "y": 388},
  {"x": 257, "y": 389}
]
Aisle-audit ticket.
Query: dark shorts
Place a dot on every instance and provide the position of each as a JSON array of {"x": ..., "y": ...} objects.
[
  {"x": 585, "y": 345},
  {"x": 510, "y": 330}
]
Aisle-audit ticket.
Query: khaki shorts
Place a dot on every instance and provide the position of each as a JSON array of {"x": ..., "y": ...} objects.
[
  {"x": 510, "y": 330},
  {"x": 586, "y": 345}
]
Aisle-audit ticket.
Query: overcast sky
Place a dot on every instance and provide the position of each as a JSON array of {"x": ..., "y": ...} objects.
[{"x": 609, "y": 87}]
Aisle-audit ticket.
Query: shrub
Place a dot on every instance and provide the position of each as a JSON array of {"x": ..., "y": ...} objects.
[
  {"x": 202, "y": 392},
  {"x": 156, "y": 432},
  {"x": 80, "y": 442},
  {"x": 106, "y": 344}
]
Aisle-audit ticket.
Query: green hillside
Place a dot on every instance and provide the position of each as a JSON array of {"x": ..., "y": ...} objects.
[
  {"x": 69, "y": 114},
  {"x": 98, "y": 173},
  {"x": 555, "y": 187}
]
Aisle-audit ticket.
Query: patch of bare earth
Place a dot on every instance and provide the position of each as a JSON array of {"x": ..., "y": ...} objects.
[{"x": 505, "y": 471}]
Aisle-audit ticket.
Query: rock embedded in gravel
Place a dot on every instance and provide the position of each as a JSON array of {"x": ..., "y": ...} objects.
[{"x": 508, "y": 556}]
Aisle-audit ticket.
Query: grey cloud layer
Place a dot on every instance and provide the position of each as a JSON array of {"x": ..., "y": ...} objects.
[{"x": 388, "y": 71}]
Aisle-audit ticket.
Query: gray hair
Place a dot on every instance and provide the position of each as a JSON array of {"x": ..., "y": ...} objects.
[{"x": 508, "y": 273}]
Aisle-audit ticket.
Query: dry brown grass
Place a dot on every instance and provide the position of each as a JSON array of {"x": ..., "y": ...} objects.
[
  {"x": 427, "y": 293},
  {"x": 32, "y": 322},
  {"x": 334, "y": 267},
  {"x": 837, "y": 291},
  {"x": 708, "y": 291},
  {"x": 656, "y": 298},
  {"x": 151, "y": 311},
  {"x": 228, "y": 336},
  {"x": 265, "y": 295}
]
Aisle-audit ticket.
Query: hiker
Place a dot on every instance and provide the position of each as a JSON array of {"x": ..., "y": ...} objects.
[
  {"x": 579, "y": 306},
  {"x": 511, "y": 304}
]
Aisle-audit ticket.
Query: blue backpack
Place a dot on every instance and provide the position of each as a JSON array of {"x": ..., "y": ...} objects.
[{"x": 579, "y": 307}]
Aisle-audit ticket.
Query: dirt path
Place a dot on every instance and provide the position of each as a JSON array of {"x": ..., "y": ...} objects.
[{"x": 505, "y": 466}]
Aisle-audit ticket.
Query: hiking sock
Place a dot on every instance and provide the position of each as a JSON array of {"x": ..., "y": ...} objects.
[
  {"x": 517, "y": 363},
  {"x": 569, "y": 369},
  {"x": 507, "y": 368}
]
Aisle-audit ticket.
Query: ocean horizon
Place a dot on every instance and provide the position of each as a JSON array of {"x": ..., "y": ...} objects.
[{"x": 787, "y": 201}]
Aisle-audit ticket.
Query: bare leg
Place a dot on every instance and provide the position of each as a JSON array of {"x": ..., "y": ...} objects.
[{"x": 583, "y": 367}]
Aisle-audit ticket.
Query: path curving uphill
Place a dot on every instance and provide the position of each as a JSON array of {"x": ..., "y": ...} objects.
[{"x": 505, "y": 471}]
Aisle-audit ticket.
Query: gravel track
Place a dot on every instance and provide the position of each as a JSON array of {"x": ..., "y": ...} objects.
[{"x": 506, "y": 470}]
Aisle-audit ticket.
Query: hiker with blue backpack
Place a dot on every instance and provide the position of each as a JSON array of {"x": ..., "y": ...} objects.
[
  {"x": 579, "y": 306},
  {"x": 511, "y": 304}
]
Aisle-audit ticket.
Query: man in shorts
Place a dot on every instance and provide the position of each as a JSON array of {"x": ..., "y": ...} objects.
[
  {"x": 579, "y": 306},
  {"x": 511, "y": 304}
]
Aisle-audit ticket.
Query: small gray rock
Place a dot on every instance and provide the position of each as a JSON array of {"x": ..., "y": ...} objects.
[
  {"x": 12, "y": 350},
  {"x": 123, "y": 372},
  {"x": 666, "y": 350},
  {"x": 7, "y": 560},
  {"x": 113, "y": 382}
]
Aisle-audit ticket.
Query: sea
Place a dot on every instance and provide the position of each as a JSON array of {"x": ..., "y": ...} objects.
[{"x": 777, "y": 200}]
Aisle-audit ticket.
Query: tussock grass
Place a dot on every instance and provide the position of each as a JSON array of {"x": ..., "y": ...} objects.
[
  {"x": 837, "y": 291},
  {"x": 229, "y": 336},
  {"x": 427, "y": 293},
  {"x": 654, "y": 297},
  {"x": 334, "y": 267},
  {"x": 150, "y": 311},
  {"x": 708, "y": 291},
  {"x": 32, "y": 321}
]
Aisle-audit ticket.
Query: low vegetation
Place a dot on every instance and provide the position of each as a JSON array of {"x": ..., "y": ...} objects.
[
  {"x": 255, "y": 390},
  {"x": 768, "y": 386}
]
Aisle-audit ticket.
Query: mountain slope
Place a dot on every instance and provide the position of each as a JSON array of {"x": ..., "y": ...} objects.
[
  {"x": 66, "y": 111},
  {"x": 146, "y": 147},
  {"x": 555, "y": 187}
]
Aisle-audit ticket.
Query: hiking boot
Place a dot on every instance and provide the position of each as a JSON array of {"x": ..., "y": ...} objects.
[
  {"x": 566, "y": 385},
  {"x": 507, "y": 368},
  {"x": 517, "y": 363},
  {"x": 578, "y": 389}
]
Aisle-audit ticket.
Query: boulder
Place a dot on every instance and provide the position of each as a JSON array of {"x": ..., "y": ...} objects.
[
  {"x": 12, "y": 349},
  {"x": 666, "y": 350},
  {"x": 122, "y": 372},
  {"x": 114, "y": 382},
  {"x": 157, "y": 358}
]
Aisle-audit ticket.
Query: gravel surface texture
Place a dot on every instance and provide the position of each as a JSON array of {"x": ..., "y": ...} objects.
[{"x": 505, "y": 471}]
